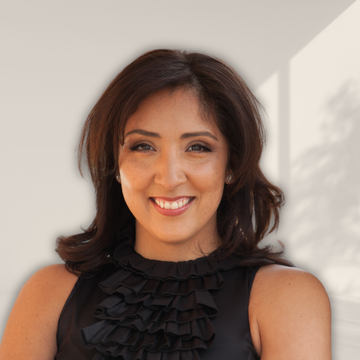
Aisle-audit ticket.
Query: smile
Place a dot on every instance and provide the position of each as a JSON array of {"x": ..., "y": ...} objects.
[
  {"x": 173, "y": 205},
  {"x": 172, "y": 208}
]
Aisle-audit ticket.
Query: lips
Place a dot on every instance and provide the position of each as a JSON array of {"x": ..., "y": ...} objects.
[
  {"x": 172, "y": 206},
  {"x": 174, "y": 198}
]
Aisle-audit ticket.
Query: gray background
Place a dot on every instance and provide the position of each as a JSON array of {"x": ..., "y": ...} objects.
[{"x": 299, "y": 56}]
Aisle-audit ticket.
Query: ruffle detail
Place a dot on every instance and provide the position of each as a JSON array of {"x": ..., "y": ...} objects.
[
  {"x": 155, "y": 310},
  {"x": 126, "y": 257}
]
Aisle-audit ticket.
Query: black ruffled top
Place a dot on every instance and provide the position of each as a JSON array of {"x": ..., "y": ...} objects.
[{"x": 155, "y": 310}]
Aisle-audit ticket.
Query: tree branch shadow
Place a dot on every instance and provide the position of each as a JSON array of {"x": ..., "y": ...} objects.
[{"x": 326, "y": 188}]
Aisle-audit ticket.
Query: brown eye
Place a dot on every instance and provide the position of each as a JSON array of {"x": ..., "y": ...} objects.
[
  {"x": 142, "y": 148},
  {"x": 198, "y": 148}
]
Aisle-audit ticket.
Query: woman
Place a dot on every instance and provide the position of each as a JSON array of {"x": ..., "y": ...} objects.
[{"x": 170, "y": 268}]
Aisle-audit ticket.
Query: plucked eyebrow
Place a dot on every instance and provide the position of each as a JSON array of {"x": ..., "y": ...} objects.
[{"x": 183, "y": 136}]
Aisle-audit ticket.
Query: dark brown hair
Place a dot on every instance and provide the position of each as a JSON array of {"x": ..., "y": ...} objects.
[{"x": 250, "y": 204}]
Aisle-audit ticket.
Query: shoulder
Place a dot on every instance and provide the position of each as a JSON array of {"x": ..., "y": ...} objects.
[
  {"x": 35, "y": 314},
  {"x": 282, "y": 283},
  {"x": 279, "y": 277},
  {"x": 53, "y": 276},
  {"x": 50, "y": 287},
  {"x": 290, "y": 312}
]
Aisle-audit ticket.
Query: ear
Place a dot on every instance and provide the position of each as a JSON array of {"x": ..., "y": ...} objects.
[{"x": 229, "y": 178}]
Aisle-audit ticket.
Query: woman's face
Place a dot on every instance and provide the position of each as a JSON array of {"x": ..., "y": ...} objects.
[{"x": 173, "y": 169}]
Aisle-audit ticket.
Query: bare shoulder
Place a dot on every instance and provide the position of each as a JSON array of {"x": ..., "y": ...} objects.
[
  {"x": 290, "y": 314},
  {"x": 53, "y": 276},
  {"x": 35, "y": 315},
  {"x": 278, "y": 278},
  {"x": 50, "y": 287}
]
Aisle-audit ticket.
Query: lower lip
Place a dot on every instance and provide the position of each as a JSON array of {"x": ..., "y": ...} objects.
[{"x": 172, "y": 212}]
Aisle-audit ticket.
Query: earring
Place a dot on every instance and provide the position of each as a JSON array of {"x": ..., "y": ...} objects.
[
  {"x": 118, "y": 178},
  {"x": 229, "y": 178}
]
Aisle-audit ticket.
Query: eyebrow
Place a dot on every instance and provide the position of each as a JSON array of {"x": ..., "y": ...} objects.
[{"x": 183, "y": 136}]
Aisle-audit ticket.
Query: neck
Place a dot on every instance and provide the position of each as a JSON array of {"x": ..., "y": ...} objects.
[{"x": 150, "y": 247}]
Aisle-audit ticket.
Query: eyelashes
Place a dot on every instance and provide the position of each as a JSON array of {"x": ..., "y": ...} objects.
[
  {"x": 141, "y": 147},
  {"x": 204, "y": 148},
  {"x": 196, "y": 148}
]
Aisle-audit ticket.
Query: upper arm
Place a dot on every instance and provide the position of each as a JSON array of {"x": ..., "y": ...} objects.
[
  {"x": 291, "y": 311},
  {"x": 32, "y": 325}
]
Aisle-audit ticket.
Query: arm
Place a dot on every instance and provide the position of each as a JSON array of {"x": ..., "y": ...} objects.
[
  {"x": 30, "y": 332},
  {"x": 290, "y": 316}
]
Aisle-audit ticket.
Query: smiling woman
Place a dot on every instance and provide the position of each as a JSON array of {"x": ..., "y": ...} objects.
[
  {"x": 171, "y": 267},
  {"x": 162, "y": 170}
]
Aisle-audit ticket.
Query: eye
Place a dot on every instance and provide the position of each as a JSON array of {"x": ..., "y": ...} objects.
[
  {"x": 198, "y": 148},
  {"x": 142, "y": 148}
]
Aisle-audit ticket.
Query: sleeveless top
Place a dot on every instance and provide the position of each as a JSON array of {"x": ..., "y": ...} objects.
[{"x": 141, "y": 309}]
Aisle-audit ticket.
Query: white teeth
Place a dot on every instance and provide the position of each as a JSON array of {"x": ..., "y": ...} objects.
[
  {"x": 160, "y": 203},
  {"x": 174, "y": 205}
]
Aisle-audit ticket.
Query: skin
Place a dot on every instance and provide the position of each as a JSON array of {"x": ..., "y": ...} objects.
[
  {"x": 289, "y": 315},
  {"x": 170, "y": 166},
  {"x": 30, "y": 332},
  {"x": 289, "y": 311}
]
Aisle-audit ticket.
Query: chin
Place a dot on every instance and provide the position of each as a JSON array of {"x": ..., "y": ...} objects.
[{"x": 171, "y": 237}]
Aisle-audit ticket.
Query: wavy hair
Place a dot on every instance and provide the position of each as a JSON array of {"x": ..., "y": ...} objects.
[{"x": 250, "y": 205}]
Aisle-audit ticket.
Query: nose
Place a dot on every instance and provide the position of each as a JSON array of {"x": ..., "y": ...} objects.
[{"x": 169, "y": 170}]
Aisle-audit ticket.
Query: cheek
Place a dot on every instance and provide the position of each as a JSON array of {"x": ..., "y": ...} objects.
[
  {"x": 135, "y": 179},
  {"x": 210, "y": 182}
]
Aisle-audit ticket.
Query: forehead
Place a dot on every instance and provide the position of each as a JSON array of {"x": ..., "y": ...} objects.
[{"x": 176, "y": 110}]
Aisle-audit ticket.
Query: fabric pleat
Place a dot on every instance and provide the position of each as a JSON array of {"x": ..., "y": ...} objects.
[{"x": 155, "y": 310}]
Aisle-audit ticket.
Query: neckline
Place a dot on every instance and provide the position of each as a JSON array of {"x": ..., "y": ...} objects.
[{"x": 126, "y": 257}]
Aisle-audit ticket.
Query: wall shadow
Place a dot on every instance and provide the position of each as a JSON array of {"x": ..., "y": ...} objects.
[{"x": 325, "y": 196}]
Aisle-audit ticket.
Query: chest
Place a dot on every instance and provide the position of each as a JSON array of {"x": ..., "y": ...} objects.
[{"x": 232, "y": 339}]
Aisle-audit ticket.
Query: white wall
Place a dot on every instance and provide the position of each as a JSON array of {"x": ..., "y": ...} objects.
[
  {"x": 314, "y": 99},
  {"x": 299, "y": 56}
]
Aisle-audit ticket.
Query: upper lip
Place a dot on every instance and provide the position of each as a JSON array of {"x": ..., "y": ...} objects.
[{"x": 171, "y": 198}]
